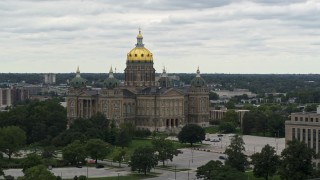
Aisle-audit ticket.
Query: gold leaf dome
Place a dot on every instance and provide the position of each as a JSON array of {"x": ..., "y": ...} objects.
[{"x": 140, "y": 53}]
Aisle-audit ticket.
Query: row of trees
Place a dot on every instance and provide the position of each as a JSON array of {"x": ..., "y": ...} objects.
[
  {"x": 41, "y": 121},
  {"x": 295, "y": 162}
]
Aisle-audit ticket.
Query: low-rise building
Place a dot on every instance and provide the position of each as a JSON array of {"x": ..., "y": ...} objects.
[{"x": 305, "y": 127}]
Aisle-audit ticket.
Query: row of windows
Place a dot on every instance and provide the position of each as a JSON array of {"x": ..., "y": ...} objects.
[
  {"x": 306, "y": 137},
  {"x": 306, "y": 119}
]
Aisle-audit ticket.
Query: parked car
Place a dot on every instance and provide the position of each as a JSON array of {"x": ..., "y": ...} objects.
[
  {"x": 222, "y": 158},
  {"x": 99, "y": 166},
  {"x": 208, "y": 139}
]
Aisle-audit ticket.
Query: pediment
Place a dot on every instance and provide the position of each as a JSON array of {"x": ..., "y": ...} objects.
[{"x": 173, "y": 92}]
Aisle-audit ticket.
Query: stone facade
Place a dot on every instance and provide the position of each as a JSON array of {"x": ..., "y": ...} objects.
[
  {"x": 304, "y": 127},
  {"x": 157, "y": 106}
]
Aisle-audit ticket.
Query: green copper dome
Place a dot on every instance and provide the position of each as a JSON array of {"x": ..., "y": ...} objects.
[
  {"x": 198, "y": 81},
  {"x": 78, "y": 81},
  {"x": 111, "y": 82}
]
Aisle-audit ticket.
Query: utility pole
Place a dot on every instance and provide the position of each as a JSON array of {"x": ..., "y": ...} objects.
[{"x": 175, "y": 172}]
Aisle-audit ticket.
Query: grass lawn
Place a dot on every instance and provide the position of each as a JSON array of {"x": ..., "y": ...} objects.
[
  {"x": 128, "y": 177},
  {"x": 212, "y": 129},
  {"x": 250, "y": 176}
]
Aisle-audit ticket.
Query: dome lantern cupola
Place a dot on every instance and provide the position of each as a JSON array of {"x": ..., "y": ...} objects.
[{"x": 139, "y": 39}]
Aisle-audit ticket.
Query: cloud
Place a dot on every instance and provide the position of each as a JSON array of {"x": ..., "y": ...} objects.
[{"x": 219, "y": 36}]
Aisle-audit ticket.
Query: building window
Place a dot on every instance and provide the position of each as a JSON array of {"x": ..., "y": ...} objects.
[
  {"x": 293, "y": 133},
  {"x": 309, "y": 138},
  {"x": 311, "y": 119},
  {"x": 298, "y": 134},
  {"x": 314, "y": 139},
  {"x": 304, "y": 135},
  {"x": 317, "y": 120},
  {"x": 296, "y": 118},
  {"x": 301, "y": 119},
  {"x": 318, "y": 141},
  {"x": 306, "y": 119}
]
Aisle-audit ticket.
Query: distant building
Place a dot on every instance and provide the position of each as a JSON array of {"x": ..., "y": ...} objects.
[
  {"x": 305, "y": 127},
  {"x": 226, "y": 94},
  {"x": 5, "y": 97},
  {"x": 218, "y": 115},
  {"x": 49, "y": 78}
]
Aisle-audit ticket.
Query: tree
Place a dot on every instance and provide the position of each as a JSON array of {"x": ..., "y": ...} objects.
[
  {"x": 236, "y": 158},
  {"x": 74, "y": 153},
  {"x": 1, "y": 164},
  {"x": 123, "y": 139},
  {"x": 216, "y": 170},
  {"x": 97, "y": 149},
  {"x": 165, "y": 149},
  {"x": 39, "y": 172},
  {"x": 48, "y": 152},
  {"x": 31, "y": 160},
  {"x": 119, "y": 154},
  {"x": 232, "y": 117},
  {"x": 213, "y": 96},
  {"x": 265, "y": 163},
  {"x": 191, "y": 133},
  {"x": 296, "y": 161},
  {"x": 12, "y": 139},
  {"x": 143, "y": 159},
  {"x": 227, "y": 127}
]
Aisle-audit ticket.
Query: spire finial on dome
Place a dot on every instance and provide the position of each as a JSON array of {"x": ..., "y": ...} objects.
[
  {"x": 164, "y": 72},
  {"x": 78, "y": 72},
  {"x": 111, "y": 72},
  {"x": 139, "y": 39},
  {"x": 198, "y": 72}
]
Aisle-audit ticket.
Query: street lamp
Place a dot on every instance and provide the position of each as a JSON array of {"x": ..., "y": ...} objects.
[{"x": 192, "y": 154}]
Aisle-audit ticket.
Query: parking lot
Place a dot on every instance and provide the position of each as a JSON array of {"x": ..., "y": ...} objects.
[{"x": 252, "y": 143}]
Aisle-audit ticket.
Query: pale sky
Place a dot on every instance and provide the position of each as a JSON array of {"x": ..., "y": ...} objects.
[{"x": 219, "y": 36}]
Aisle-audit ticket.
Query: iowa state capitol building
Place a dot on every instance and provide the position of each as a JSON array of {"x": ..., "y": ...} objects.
[{"x": 141, "y": 100}]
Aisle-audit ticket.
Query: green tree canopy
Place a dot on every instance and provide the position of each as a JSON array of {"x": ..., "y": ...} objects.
[
  {"x": 123, "y": 138},
  {"x": 191, "y": 133},
  {"x": 232, "y": 117},
  {"x": 97, "y": 149},
  {"x": 143, "y": 159},
  {"x": 213, "y": 96},
  {"x": 31, "y": 160},
  {"x": 118, "y": 155},
  {"x": 265, "y": 163},
  {"x": 216, "y": 170},
  {"x": 39, "y": 172},
  {"x": 74, "y": 153},
  {"x": 165, "y": 149},
  {"x": 41, "y": 121},
  {"x": 296, "y": 161},
  {"x": 236, "y": 158},
  {"x": 12, "y": 139}
]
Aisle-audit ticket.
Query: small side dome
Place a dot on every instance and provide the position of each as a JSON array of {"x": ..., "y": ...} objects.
[
  {"x": 198, "y": 81},
  {"x": 78, "y": 81},
  {"x": 111, "y": 82},
  {"x": 164, "y": 80}
]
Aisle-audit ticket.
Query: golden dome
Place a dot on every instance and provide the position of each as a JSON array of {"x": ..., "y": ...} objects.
[{"x": 140, "y": 53}]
